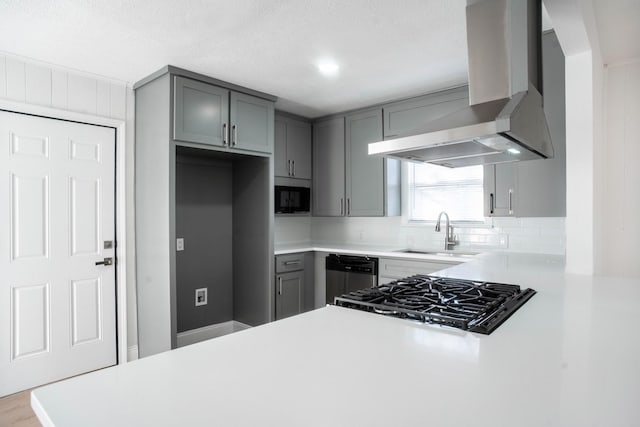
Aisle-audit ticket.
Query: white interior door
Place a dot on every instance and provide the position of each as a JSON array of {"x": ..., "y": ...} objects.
[{"x": 57, "y": 307}]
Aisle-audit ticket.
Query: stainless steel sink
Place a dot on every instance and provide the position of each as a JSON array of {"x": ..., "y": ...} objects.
[{"x": 441, "y": 253}]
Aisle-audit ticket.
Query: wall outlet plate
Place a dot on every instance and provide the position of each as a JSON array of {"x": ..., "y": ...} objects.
[
  {"x": 180, "y": 244},
  {"x": 201, "y": 297}
]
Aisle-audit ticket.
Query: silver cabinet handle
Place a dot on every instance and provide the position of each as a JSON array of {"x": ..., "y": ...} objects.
[
  {"x": 341, "y": 207},
  {"x": 289, "y": 167},
  {"x": 491, "y": 203},
  {"x": 279, "y": 285},
  {"x": 292, "y": 262},
  {"x": 225, "y": 134},
  {"x": 510, "y": 201},
  {"x": 293, "y": 168},
  {"x": 106, "y": 261},
  {"x": 349, "y": 206},
  {"x": 234, "y": 135}
]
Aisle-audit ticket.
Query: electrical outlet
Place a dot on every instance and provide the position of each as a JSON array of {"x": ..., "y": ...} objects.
[
  {"x": 180, "y": 244},
  {"x": 201, "y": 297}
]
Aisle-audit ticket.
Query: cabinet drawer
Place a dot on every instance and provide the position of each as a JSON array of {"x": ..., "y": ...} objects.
[
  {"x": 290, "y": 262},
  {"x": 398, "y": 269}
]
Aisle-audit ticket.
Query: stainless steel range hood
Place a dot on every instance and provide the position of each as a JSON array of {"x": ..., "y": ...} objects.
[{"x": 505, "y": 120}]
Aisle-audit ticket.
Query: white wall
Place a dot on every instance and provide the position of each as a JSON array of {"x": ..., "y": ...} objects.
[
  {"x": 621, "y": 173},
  {"x": 534, "y": 235},
  {"x": 32, "y": 82}
]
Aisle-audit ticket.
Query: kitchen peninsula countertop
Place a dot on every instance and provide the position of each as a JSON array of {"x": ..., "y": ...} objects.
[{"x": 569, "y": 357}]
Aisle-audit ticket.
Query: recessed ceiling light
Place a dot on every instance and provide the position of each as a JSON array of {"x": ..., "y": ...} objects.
[
  {"x": 513, "y": 151},
  {"x": 328, "y": 67}
]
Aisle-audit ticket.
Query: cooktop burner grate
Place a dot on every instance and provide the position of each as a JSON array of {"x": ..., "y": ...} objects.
[{"x": 465, "y": 304}]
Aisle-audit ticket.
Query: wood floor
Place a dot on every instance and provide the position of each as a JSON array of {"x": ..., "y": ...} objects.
[{"x": 15, "y": 411}]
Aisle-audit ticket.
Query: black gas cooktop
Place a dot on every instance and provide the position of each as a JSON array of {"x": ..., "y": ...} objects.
[{"x": 465, "y": 304}]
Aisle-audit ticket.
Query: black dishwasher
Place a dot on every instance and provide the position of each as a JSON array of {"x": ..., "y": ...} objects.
[{"x": 347, "y": 273}]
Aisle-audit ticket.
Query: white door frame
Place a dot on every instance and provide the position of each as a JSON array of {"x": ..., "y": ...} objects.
[{"x": 120, "y": 214}]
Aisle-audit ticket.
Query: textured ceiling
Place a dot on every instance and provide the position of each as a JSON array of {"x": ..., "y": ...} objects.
[{"x": 385, "y": 49}]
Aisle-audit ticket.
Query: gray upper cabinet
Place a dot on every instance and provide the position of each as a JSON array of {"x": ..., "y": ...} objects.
[
  {"x": 328, "y": 167},
  {"x": 364, "y": 173},
  {"x": 347, "y": 181},
  {"x": 403, "y": 117},
  {"x": 292, "y": 148},
  {"x": 535, "y": 188},
  {"x": 251, "y": 123},
  {"x": 500, "y": 185},
  {"x": 201, "y": 112},
  {"x": 208, "y": 114}
]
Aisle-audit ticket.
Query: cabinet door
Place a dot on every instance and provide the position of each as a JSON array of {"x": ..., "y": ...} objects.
[
  {"x": 299, "y": 148},
  {"x": 252, "y": 121},
  {"x": 200, "y": 112},
  {"x": 281, "y": 164},
  {"x": 401, "y": 118},
  {"x": 328, "y": 168},
  {"x": 500, "y": 186},
  {"x": 289, "y": 294},
  {"x": 365, "y": 174}
]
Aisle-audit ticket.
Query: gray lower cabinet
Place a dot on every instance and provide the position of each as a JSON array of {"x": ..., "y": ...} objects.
[
  {"x": 290, "y": 291},
  {"x": 292, "y": 153},
  {"x": 328, "y": 167},
  {"x": 208, "y": 114},
  {"x": 290, "y": 285},
  {"x": 535, "y": 188},
  {"x": 405, "y": 117}
]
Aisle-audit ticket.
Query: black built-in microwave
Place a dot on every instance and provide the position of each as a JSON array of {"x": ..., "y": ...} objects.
[{"x": 291, "y": 199}]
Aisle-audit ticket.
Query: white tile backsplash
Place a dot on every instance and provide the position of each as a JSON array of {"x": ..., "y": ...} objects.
[{"x": 534, "y": 235}]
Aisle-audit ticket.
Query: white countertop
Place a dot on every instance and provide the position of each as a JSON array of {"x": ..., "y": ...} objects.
[
  {"x": 373, "y": 251},
  {"x": 569, "y": 357}
]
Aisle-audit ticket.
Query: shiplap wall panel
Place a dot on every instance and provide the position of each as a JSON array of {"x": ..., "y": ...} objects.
[
  {"x": 15, "y": 80},
  {"x": 83, "y": 94},
  {"x": 3, "y": 76},
  {"x": 37, "y": 84},
  {"x": 103, "y": 99},
  {"x": 59, "y": 90},
  {"x": 118, "y": 101}
]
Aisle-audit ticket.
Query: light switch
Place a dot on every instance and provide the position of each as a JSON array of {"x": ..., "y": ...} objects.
[{"x": 180, "y": 244}]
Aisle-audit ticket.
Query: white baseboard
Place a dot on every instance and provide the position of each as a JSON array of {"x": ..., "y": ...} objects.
[
  {"x": 207, "y": 332},
  {"x": 132, "y": 353}
]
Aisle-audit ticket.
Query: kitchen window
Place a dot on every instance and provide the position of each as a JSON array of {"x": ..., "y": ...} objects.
[{"x": 433, "y": 189}]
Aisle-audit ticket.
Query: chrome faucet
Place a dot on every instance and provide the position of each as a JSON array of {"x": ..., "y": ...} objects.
[{"x": 449, "y": 238}]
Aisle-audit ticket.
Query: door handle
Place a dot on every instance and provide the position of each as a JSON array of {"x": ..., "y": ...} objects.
[
  {"x": 510, "y": 202},
  {"x": 234, "y": 135},
  {"x": 291, "y": 262},
  {"x": 279, "y": 285},
  {"x": 341, "y": 207},
  {"x": 293, "y": 168},
  {"x": 349, "y": 206},
  {"x": 289, "y": 166},
  {"x": 491, "y": 203},
  {"x": 225, "y": 134},
  {"x": 106, "y": 261}
]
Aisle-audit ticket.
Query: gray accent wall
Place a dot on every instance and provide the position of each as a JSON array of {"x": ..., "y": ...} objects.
[{"x": 204, "y": 219}]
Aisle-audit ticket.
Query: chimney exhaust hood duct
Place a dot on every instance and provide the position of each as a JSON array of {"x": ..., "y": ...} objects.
[{"x": 505, "y": 120}]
